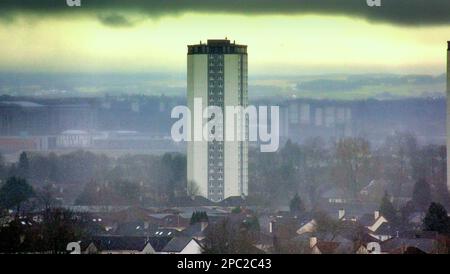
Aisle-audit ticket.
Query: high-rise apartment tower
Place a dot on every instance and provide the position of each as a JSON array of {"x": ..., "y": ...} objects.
[{"x": 217, "y": 74}]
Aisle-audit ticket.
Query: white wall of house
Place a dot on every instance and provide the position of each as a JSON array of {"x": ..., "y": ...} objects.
[
  {"x": 378, "y": 222},
  {"x": 192, "y": 248},
  {"x": 308, "y": 227},
  {"x": 148, "y": 249}
]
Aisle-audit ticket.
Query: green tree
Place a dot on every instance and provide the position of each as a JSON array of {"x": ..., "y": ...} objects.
[
  {"x": 387, "y": 208},
  {"x": 15, "y": 192},
  {"x": 229, "y": 237},
  {"x": 24, "y": 165},
  {"x": 10, "y": 237},
  {"x": 2, "y": 167},
  {"x": 437, "y": 219},
  {"x": 236, "y": 210},
  {"x": 326, "y": 226},
  {"x": 296, "y": 205},
  {"x": 59, "y": 228},
  {"x": 128, "y": 191},
  {"x": 421, "y": 197},
  {"x": 252, "y": 224},
  {"x": 198, "y": 217}
]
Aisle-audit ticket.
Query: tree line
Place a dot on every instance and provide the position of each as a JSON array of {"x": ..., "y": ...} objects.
[{"x": 349, "y": 165}]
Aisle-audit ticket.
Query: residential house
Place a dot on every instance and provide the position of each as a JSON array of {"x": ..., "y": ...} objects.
[
  {"x": 124, "y": 245},
  {"x": 183, "y": 245},
  {"x": 410, "y": 246},
  {"x": 378, "y": 226},
  {"x": 322, "y": 247}
]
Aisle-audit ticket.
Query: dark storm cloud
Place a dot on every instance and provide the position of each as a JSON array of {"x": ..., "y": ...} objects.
[
  {"x": 402, "y": 12},
  {"x": 115, "y": 20}
]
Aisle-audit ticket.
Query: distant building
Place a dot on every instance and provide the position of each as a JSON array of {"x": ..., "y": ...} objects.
[
  {"x": 23, "y": 118},
  {"x": 11, "y": 144},
  {"x": 302, "y": 119},
  {"x": 74, "y": 139},
  {"x": 448, "y": 114},
  {"x": 217, "y": 73}
]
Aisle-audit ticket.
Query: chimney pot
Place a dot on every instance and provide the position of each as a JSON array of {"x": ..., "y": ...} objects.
[
  {"x": 376, "y": 214},
  {"x": 312, "y": 242}
]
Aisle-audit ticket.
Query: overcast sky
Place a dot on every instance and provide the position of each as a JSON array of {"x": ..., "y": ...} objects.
[{"x": 284, "y": 36}]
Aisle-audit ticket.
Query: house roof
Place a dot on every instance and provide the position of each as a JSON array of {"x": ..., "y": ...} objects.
[
  {"x": 159, "y": 242},
  {"x": 194, "y": 230},
  {"x": 134, "y": 228},
  {"x": 367, "y": 238},
  {"x": 170, "y": 220},
  {"x": 177, "y": 244},
  {"x": 119, "y": 242},
  {"x": 411, "y": 234},
  {"x": 367, "y": 219},
  {"x": 163, "y": 232},
  {"x": 327, "y": 247},
  {"x": 132, "y": 214},
  {"x": 233, "y": 201},
  {"x": 188, "y": 201},
  {"x": 397, "y": 245},
  {"x": 386, "y": 229}
]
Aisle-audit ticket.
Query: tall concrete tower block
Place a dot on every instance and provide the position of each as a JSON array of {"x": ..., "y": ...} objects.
[{"x": 217, "y": 74}]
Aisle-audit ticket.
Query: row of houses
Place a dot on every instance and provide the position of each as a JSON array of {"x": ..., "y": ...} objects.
[
  {"x": 169, "y": 231},
  {"x": 369, "y": 233},
  {"x": 158, "y": 244},
  {"x": 138, "y": 230}
]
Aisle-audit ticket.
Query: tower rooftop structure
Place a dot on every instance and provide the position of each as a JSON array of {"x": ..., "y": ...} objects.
[{"x": 217, "y": 46}]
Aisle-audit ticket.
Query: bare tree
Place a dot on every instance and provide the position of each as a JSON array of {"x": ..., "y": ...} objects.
[
  {"x": 192, "y": 188},
  {"x": 352, "y": 164}
]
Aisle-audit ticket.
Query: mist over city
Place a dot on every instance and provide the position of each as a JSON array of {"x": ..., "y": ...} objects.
[{"x": 89, "y": 163}]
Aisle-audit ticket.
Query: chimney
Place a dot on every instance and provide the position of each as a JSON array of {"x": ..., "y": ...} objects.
[
  {"x": 341, "y": 213},
  {"x": 312, "y": 242},
  {"x": 271, "y": 226},
  {"x": 376, "y": 214}
]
